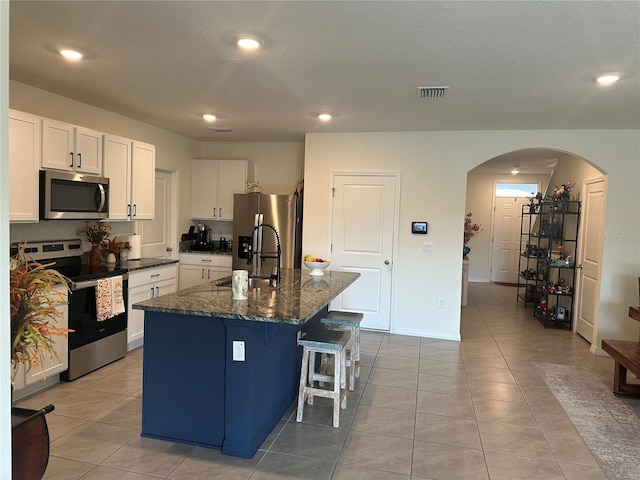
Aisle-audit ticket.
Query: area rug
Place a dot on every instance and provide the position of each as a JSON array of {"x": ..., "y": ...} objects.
[{"x": 609, "y": 425}]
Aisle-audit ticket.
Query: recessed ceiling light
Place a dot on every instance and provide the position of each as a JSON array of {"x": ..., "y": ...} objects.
[
  {"x": 71, "y": 54},
  {"x": 324, "y": 117},
  {"x": 208, "y": 117},
  {"x": 608, "y": 78},
  {"x": 248, "y": 42}
]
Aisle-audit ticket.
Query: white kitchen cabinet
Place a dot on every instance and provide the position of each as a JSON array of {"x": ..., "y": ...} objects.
[
  {"x": 25, "y": 154},
  {"x": 213, "y": 184},
  {"x": 130, "y": 167},
  {"x": 71, "y": 148},
  {"x": 143, "y": 285},
  {"x": 197, "y": 268},
  {"x": 55, "y": 363}
]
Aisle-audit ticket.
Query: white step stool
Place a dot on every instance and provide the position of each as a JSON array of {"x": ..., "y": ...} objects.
[{"x": 325, "y": 342}]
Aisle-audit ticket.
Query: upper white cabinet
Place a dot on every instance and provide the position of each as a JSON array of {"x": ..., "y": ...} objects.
[
  {"x": 71, "y": 148},
  {"x": 130, "y": 167},
  {"x": 213, "y": 184},
  {"x": 24, "y": 162}
]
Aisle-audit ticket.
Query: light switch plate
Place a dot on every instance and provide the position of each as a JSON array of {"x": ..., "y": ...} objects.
[
  {"x": 427, "y": 247},
  {"x": 238, "y": 351}
]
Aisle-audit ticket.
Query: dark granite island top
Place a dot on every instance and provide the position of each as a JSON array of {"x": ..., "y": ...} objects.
[
  {"x": 220, "y": 373},
  {"x": 295, "y": 300}
]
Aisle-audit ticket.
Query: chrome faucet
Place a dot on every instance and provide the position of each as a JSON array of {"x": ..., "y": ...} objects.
[{"x": 262, "y": 255}]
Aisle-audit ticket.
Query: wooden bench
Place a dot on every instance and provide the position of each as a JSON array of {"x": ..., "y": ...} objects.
[{"x": 627, "y": 357}]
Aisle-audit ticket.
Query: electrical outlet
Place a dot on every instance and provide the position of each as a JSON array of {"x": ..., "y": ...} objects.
[{"x": 238, "y": 351}]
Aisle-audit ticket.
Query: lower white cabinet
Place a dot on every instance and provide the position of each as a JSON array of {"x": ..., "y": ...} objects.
[
  {"x": 197, "y": 268},
  {"x": 54, "y": 364},
  {"x": 143, "y": 285}
]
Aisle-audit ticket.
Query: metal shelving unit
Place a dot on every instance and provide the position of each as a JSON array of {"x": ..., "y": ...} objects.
[{"x": 549, "y": 244}]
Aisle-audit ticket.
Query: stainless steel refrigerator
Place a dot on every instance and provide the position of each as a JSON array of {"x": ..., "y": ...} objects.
[{"x": 284, "y": 213}]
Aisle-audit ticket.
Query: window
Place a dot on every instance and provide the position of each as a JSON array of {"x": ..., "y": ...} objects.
[{"x": 516, "y": 189}]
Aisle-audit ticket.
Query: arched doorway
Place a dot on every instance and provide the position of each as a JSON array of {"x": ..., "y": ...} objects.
[{"x": 547, "y": 167}]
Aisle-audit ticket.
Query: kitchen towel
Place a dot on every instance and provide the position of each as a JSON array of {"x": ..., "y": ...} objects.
[
  {"x": 109, "y": 299},
  {"x": 134, "y": 242}
]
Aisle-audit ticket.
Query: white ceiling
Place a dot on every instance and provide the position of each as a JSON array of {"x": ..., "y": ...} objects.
[{"x": 509, "y": 64}]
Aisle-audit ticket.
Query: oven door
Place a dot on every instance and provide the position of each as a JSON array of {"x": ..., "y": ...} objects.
[{"x": 83, "y": 317}]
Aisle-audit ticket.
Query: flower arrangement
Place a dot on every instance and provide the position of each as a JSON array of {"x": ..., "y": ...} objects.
[
  {"x": 115, "y": 246},
  {"x": 470, "y": 229},
  {"x": 563, "y": 192},
  {"x": 96, "y": 233},
  {"x": 33, "y": 303}
]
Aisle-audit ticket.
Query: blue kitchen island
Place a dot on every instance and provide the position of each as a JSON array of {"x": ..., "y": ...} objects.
[{"x": 195, "y": 392}]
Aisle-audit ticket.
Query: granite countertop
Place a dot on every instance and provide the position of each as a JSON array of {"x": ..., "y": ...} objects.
[
  {"x": 132, "y": 265},
  {"x": 296, "y": 299}
]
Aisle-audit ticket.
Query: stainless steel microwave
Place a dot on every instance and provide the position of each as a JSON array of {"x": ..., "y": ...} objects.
[{"x": 73, "y": 196}]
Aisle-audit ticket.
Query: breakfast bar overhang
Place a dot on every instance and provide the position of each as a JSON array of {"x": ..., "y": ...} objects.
[{"x": 195, "y": 392}]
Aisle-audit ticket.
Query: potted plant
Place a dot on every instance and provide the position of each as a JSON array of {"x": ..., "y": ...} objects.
[
  {"x": 33, "y": 302},
  {"x": 113, "y": 246},
  {"x": 470, "y": 231},
  {"x": 96, "y": 233}
]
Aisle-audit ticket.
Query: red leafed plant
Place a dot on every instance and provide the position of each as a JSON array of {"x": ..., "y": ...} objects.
[{"x": 470, "y": 228}]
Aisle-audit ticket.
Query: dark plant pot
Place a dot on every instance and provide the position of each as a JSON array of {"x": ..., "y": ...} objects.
[
  {"x": 95, "y": 256},
  {"x": 465, "y": 251},
  {"x": 29, "y": 442}
]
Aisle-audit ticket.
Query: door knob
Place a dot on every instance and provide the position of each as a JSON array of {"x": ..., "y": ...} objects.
[
  {"x": 387, "y": 262},
  {"x": 169, "y": 249}
]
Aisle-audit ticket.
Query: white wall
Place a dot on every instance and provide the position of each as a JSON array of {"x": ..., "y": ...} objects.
[
  {"x": 479, "y": 201},
  {"x": 5, "y": 329},
  {"x": 276, "y": 165},
  {"x": 434, "y": 168}
]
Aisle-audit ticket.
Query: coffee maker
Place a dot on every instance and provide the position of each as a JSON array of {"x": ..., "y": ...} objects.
[{"x": 203, "y": 235}]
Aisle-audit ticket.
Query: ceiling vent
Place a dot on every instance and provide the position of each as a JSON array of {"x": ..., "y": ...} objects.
[
  {"x": 432, "y": 92},
  {"x": 221, "y": 129}
]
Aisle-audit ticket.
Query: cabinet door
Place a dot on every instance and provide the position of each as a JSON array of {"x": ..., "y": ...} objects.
[
  {"x": 143, "y": 181},
  {"x": 117, "y": 168},
  {"x": 55, "y": 363},
  {"x": 57, "y": 145},
  {"x": 88, "y": 151},
  {"x": 215, "y": 273},
  {"x": 191, "y": 275},
  {"x": 24, "y": 162},
  {"x": 232, "y": 179},
  {"x": 204, "y": 186},
  {"x": 135, "y": 318},
  {"x": 164, "y": 287}
]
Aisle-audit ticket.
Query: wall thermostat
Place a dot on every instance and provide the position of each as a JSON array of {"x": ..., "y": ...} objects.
[{"x": 419, "y": 227}]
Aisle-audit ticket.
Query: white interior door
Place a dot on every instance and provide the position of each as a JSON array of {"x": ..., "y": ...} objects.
[
  {"x": 506, "y": 239},
  {"x": 157, "y": 234},
  {"x": 589, "y": 257},
  {"x": 364, "y": 222}
]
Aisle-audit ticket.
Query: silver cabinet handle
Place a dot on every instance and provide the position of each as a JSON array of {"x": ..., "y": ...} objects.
[{"x": 135, "y": 210}]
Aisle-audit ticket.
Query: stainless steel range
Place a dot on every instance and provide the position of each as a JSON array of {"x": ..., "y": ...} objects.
[{"x": 93, "y": 343}]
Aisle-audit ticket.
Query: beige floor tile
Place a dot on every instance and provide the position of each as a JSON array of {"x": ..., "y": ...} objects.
[
  {"x": 389, "y": 397},
  {"x": 86, "y": 404},
  {"x": 213, "y": 465},
  {"x": 524, "y": 441},
  {"x": 384, "y": 421},
  {"x": 121, "y": 382},
  {"x": 399, "y": 349},
  {"x": 394, "y": 362},
  {"x": 505, "y": 466},
  {"x": 347, "y": 472},
  {"x": 428, "y": 352},
  {"x": 568, "y": 447},
  {"x": 443, "y": 384},
  {"x": 582, "y": 472},
  {"x": 64, "y": 469},
  {"x": 126, "y": 413},
  {"x": 496, "y": 411},
  {"x": 148, "y": 456},
  {"x": 107, "y": 473},
  {"x": 489, "y": 374},
  {"x": 495, "y": 391},
  {"x": 443, "y": 404},
  {"x": 378, "y": 452},
  {"x": 436, "y": 367},
  {"x": 394, "y": 378},
  {"x": 433, "y": 460},
  {"x": 59, "y": 425},
  {"x": 461, "y": 432}
]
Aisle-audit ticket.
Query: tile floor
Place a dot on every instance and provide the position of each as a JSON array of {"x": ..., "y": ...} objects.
[{"x": 423, "y": 409}]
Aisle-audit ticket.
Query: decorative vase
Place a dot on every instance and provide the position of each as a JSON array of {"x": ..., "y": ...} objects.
[
  {"x": 111, "y": 258},
  {"x": 95, "y": 257},
  {"x": 465, "y": 250}
]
